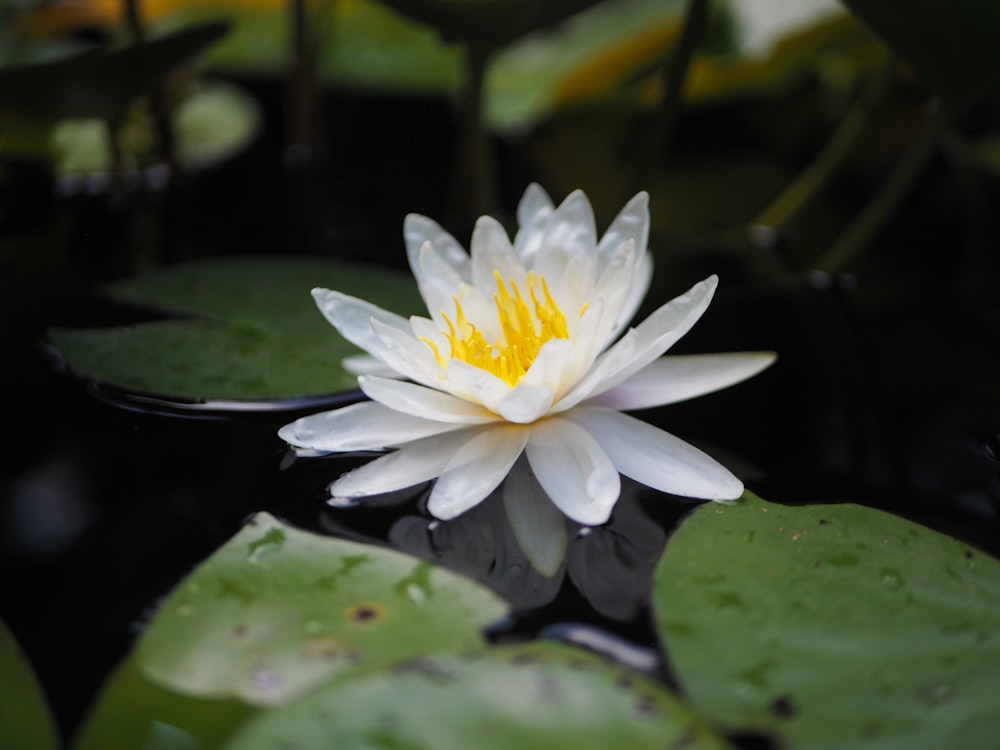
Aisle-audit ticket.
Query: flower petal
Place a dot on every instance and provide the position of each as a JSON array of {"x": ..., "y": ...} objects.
[
  {"x": 406, "y": 354},
  {"x": 352, "y": 317},
  {"x": 631, "y": 223},
  {"x": 438, "y": 283},
  {"x": 365, "y": 364},
  {"x": 525, "y": 403},
  {"x": 679, "y": 377},
  {"x": 657, "y": 458},
  {"x": 476, "y": 469},
  {"x": 574, "y": 470},
  {"x": 473, "y": 384},
  {"x": 644, "y": 343},
  {"x": 538, "y": 526},
  {"x": 419, "y": 401},
  {"x": 491, "y": 252},
  {"x": 569, "y": 232},
  {"x": 419, "y": 229},
  {"x": 412, "y": 464},
  {"x": 533, "y": 213},
  {"x": 360, "y": 427}
]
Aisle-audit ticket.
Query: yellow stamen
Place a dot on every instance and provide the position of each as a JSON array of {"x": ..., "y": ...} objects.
[{"x": 525, "y": 329}]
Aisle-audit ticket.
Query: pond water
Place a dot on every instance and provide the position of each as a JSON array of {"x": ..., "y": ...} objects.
[{"x": 107, "y": 502}]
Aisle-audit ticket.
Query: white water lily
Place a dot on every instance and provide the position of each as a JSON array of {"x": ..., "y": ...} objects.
[{"x": 524, "y": 352}]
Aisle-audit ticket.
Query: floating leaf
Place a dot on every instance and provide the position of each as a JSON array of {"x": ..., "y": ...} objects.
[
  {"x": 542, "y": 695},
  {"x": 256, "y": 331},
  {"x": 25, "y": 721},
  {"x": 832, "y": 626},
  {"x": 952, "y": 45},
  {"x": 277, "y": 611}
]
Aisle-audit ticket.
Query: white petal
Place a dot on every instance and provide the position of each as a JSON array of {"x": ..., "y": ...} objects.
[
  {"x": 419, "y": 229},
  {"x": 642, "y": 275},
  {"x": 406, "y": 354},
  {"x": 419, "y": 401},
  {"x": 569, "y": 232},
  {"x": 352, "y": 317},
  {"x": 413, "y": 463},
  {"x": 364, "y": 364},
  {"x": 525, "y": 403},
  {"x": 475, "y": 470},
  {"x": 360, "y": 427},
  {"x": 644, "y": 343},
  {"x": 538, "y": 526},
  {"x": 675, "y": 378},
  {"x": 438, "y": 283},
  {"x": 631, "y": 223},
  {"x": 657, "y": 458},
  {"x": 574, "y": 470},
  {"x": 491, "y": 251},
  {"x": 533, "y": 213},
  {"x": 476, "y": 385}
]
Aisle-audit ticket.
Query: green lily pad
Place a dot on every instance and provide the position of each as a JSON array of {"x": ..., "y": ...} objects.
[
  {"x": 951, "y": 45},
  {"x": 132, "y": 713},
  {"x": 832, "y": 626},
  {"x": 276, "y": 612},
  {"x": 25, "y": 720},
  {"x": 542, "y": 695},
  {"x": 255, "y": 332}
]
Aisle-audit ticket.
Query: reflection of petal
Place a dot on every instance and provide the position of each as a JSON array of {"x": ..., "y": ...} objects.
[
  {"x": 657, "y": 458},
  {"x": 538, "y": 526},
  {"x": 679, "y": 377},
  {"x": 476, "y": 469},
  {"x": 574, "y": 470},
  {"x": 613, "y": 566}
]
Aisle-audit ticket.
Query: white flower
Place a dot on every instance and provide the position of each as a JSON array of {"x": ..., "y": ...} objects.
[{"x": 520, "y": 355}]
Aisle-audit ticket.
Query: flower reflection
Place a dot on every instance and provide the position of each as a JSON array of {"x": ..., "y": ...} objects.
[{"x": 524, "y": 355}]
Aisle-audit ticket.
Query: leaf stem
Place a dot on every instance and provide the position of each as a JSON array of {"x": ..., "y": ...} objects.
[
  {"x": 866, "y": 226},
  {"x": 818, "y": 174}
]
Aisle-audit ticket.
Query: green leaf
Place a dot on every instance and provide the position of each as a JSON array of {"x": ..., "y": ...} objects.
[
  {"x": 97, "y": 84},
  {"x": 542, "y": 695},
  {"x": 257, "y": 332},
  {"x": 832, "y": 626},
  {"x": 277, "y": 612},
  {"x": 952, "y": 45},
  {"x": 25, "y": 721},
  {"x": 132, "y": 713}
]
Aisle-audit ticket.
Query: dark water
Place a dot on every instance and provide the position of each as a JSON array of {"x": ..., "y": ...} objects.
[{"x": 884, "y": 394}]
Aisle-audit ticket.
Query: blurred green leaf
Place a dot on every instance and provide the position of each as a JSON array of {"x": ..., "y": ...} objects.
[
  {"x": 951, "y": 45},
  {"x": 255, "y": 332},
  {"x": 25, "y": 720},
  {"x": 98, "y": 84},
  {"x": 832, "y": 626},
  {"x": 277, "y": 611},
  {"x": 542, "y": 695}
]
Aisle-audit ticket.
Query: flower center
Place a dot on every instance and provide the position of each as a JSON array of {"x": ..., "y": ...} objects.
[{"x": 526, "y": 326}]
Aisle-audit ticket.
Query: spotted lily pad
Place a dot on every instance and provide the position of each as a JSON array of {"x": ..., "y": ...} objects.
[
  {"x": 277, "y": 611},
  {"x": 832, "y": 626},
  {"x": 242, "y": 328},
  {"x": 25, "y": 720},
  {"x": 538, "y": 696}
]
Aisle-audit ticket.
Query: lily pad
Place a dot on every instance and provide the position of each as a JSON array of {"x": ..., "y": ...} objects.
[
  {"x": 542, "y": 695},
  {"x": 832, "y": 626},
  {"x": 278, "y": 611},
  {"x": 247, "y": 328},
  {"x": 25, "y": 720}
]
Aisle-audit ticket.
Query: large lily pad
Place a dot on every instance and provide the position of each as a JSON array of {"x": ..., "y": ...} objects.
[
  {"x": 832, "y": 626},
  {"x": 25, "y": 720},
  {"x": 250, "y": 329},
  {"x": 277, "y": 611},
  {"x": 539, "y": 696}
]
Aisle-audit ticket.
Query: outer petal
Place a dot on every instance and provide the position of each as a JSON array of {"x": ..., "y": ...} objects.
[
  {"x": 360, "y": 427},
  {"x": 419, "y": 229},
  {"x": 427, "y": 403},
  {"x": 643, "y": 344},
  {"x": 412, "y": 464},
  {"x": 476, "y": 470},
  {"x": 352, "y": 317},
  {"x": 631, "y": 223},
  {"x": 574, "y": 470},
  {"x": 406, "y": 354},
  {"x": 365, "y": 364},
  {"x": 676, "y": 378},
  {"x": 657, "y": 458}
]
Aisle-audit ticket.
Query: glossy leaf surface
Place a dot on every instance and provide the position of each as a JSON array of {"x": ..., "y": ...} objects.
[{"x": 832, "y": 626}]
